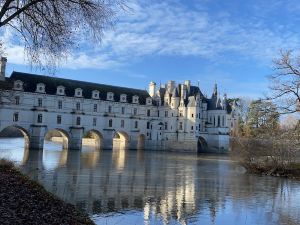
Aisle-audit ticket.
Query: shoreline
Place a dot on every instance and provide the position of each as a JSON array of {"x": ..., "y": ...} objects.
[{"x": 24, "y": 201}]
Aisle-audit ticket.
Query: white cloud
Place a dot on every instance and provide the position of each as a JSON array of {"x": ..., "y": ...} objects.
[{"x": 170, "y": 28}]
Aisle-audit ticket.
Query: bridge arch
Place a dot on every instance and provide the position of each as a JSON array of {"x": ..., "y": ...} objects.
[
  {"x": 120, "y": 140},
  {"x": 21, "y": 130},
  {"x": 58, "y": 135},
  {"x": 93, "y": 138},
  {"x": 201, "y": 145}
]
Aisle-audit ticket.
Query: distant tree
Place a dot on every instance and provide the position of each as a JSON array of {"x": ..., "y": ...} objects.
[
  {"x": 263, "y": 118},
  {"x": 285, "y": 83},
  {"x": 50, "y": 28}
]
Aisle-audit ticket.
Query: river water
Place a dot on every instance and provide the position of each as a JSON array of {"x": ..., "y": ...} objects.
[{"x": 137, "y": 187}]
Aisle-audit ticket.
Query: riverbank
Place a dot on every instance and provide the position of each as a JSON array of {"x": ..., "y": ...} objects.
[{"x": 23, "y": 201}]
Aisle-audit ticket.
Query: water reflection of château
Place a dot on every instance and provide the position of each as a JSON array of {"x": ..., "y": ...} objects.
[{"x": 170, "y": 186}]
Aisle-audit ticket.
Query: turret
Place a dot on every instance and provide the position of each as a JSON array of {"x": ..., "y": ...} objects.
[
  {"x": 152, "y": 87},
  {"x": 224, "y": 101},
  {"x": 215, "y": 92},
  {"x": 2, "y": 68}
]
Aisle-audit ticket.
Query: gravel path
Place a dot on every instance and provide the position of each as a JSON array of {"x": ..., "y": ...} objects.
[{"x": 23, "y": 201}]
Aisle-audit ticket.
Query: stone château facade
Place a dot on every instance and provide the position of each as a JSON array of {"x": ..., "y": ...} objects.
[{"x": 174, "y": 116}]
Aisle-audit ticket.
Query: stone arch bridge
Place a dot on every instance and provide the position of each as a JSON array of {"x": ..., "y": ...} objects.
[{"x": 72, "y": 137}]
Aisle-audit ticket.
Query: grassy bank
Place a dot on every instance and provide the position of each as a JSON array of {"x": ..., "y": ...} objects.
[
  {"x": 23, "y": 201},
  {"x": 264, "y": 157}
]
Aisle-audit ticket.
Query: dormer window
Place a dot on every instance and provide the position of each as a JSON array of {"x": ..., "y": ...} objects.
[
  {"x": 123, "y": 98},
  {"x": 135, "y": 99},
  {"x": 110, "y": 96},
  {"x": 40, "y": 88},
  {"x": 60, "y": 90},
  {"x": 18, "y": 85},
  {"x": 149, "y": 101},
  {"x": 95, "y": 94},
  {"x": 78, "y": 92}
]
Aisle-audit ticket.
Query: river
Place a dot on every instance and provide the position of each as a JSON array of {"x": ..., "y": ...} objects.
[{"x": 139, "y": 187}]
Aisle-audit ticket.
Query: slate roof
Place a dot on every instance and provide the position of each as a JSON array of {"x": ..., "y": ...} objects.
[{"x": 31, "y": 80}]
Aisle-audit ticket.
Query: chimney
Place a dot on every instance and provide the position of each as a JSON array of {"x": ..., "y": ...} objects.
[
  {"x": 2, "y": 68},
  {"x": 152, "y": 87},
  {"x": 188, "y": 85}
]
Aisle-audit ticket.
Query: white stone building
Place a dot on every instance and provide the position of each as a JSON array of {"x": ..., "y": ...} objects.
[{"x": 172, "y": 117}]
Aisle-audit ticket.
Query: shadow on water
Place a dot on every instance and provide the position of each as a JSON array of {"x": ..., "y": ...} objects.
[{"x": 139, "y": 187}]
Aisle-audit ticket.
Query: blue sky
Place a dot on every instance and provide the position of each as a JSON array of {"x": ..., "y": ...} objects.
[{"x": 231, "y": 42}]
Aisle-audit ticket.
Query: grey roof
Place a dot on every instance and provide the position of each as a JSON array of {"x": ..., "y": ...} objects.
[{"x": 31, "y": 80}]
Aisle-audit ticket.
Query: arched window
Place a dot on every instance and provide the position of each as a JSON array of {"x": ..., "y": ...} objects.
[
  {"x": 219, "y": 121},
  {"x": 77, "y": 105},
  {"x": 136, "y": 124},
  {"x": 110, "y": 122},
  {"x": 122, "y": 123},
  {"x": 40, "y": 118},
  {"x": 78, "y": 120}
]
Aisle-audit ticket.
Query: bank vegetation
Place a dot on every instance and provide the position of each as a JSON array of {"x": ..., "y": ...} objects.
[{"x": 267, "y": 138}]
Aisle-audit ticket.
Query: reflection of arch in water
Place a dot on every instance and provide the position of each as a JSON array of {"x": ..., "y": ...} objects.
[
  {"x": 21, "y": 130},
  {"x": 201, "y": 145},
  {"x": 93, "y": 137},
  {"x": 58, "y": 135},
  {"x": 120, "y": 140},
  {"x": 141, "y": 142}
]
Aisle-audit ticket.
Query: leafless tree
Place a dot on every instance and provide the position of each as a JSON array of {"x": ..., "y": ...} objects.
[
  {"x": 285, "y": 83},
  {"x": 51, "y": 28}
]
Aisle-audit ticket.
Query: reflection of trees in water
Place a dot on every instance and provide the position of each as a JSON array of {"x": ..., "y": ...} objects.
[{"x": 173, "y": 186}]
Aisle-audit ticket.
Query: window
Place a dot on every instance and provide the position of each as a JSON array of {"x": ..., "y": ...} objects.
[
  {"x": 135, "y": 111},
  {"x": 94, "y": 121},
  {"x": 180, "y": 114},
  {"x": 40, "y": 118},
  {"x": 77, "y": 105},
  {"x": 58, "y": 119},
  {"x": 16, "y": 117},
  {"x": 136, "y": 124},
  {"x": 95, "y": 107},
  {"x": 40, "y": 102},
  {"x": 17, "y": 100},
  {"x": 166, "y": 126},
  {"x": 123, "y": 110},
  {"x": 192, "y": 115},
  {"x": 192, "y": 127},
  {"x": 166, "y": 113},
  {"x": 78, "y": 121},
  {"x": 219, "y": 121},
  {"x": 199, "y": 126},
  {"x": 122, "y": 124},
  {"x": 110, "y": 123},
  {"x": 59, "y": 104},
  {"x": 148, "y": 112},
  {"x": 148, "y": 125},
  {"x": 180, "y": 125},
  {"x": 109, "y": 108}
]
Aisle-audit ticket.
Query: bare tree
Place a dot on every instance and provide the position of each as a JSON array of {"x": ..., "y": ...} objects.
[
  {"x": 285, "y": 83},
  {"x": 51, "y": 28}
]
